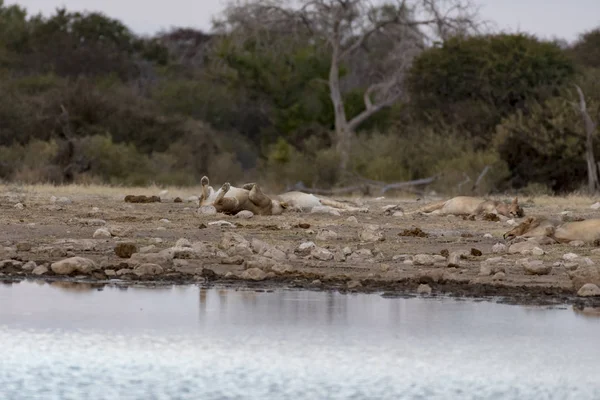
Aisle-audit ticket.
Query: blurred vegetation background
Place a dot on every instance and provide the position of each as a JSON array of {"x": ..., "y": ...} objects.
[{"x": 86, "y": 100}]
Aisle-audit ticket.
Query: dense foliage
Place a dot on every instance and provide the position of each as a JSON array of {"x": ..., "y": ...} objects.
[{"x": 86, "y": 99}]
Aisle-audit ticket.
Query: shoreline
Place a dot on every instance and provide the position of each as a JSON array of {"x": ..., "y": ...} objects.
[{"x": 406, "y": 288}]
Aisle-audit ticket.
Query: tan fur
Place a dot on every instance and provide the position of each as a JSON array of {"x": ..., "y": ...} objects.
[
  {"x": 472, "y": 206},
  {"x": 231, "y": 200},
  {"x": 306, "y": 202},
  {"x": 539, "y": 227}
]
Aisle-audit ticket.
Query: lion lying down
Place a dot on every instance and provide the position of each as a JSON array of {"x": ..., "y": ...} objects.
[
  {"x": 557, "y": 231},
  {"x": 231, "y": 200},
  {"x": 473, "y": 206}
]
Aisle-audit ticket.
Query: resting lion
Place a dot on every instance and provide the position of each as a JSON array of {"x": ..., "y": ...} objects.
[
  {"x": 306, "y": 202},
  {"x": 587, "y": 231},
  {"x": 472, "y": 206},
  {"x": 232, "y": 200}
]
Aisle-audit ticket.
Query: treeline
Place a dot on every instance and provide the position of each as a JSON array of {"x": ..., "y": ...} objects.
[{"x": 84, "y": 99}]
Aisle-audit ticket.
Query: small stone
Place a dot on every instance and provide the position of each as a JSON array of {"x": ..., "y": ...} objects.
[
  {"x": 177, "y": 200},
  {"x": 40, "y": 270},
  {"x": 353, "y": 284},
  {"x": 401, "y": 257},
  {"x": 352, "y": 219},
  {"x": 499, "y": 276},
  {"x": 164, "y": 221},
  {"x": 73, "y": 264},
  {"x": 101, "y": 233},
  {"x": 595, "y": 206},
  {"x": 110, "y": 272},
  {"x": 398, "y": 214},
  {"x": 346, "y": 251},
  {"x": 424, "y": 289},
  {"x": 255, "y": 274},
  {"x": 63, "y": 200},
  {"x": 222, "y": 223},
  {"x": 423, "y": 259},
  {"x": 536, "y": 267},
  {"x": 148, "y": 269},
  {"x": 125, "y": 250},
  {"x": 235, "y": 260},
  {"x": 183, "y": 243},
  {"x": 322, "y": 254},
  {"x": 207, "y": 210},
  {"x": 488, "y": 236},
  {"x": 536, "y": 251},
  {"x": 499, "y": 248},
  {"x": 570, "y": 256},
  {"x": 476, "y": 252},
  {"x": 244, "y": 214},
  {"x": 326, "y": 234},
  {"x": 577, "y": 243},
  {"x": 570, "y": 266},
  {"x": 589, "y": 290},
  {"x": 29, "y": 266},
  {"x": 485, "y": 270},
  {"x": 522, "y": 247},
  {"x": 124, "y": 271},
  {"x": 192, "y": 199},
  {"x": 19, "y": 206},
  {"x": 23, "y": 246},
  {"x": 371, "y": 233},
  {"x": 305, "y": 247}
]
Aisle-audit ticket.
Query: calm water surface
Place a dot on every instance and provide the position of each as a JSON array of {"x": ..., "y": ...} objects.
[{"x": 192, "y": 343}]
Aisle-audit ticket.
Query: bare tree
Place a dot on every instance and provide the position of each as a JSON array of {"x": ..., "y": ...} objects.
[
  {"x": 590, "y": 130},
  {"x": 346, "y": 27}
]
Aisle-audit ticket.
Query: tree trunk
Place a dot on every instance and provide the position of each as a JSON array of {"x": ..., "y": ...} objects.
[
  {"x": 591, "y": 163},
  {"x": 343, "y": 133}
]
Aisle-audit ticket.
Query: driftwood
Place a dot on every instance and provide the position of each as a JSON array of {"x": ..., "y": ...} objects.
[{"x": 367, "y": 187}]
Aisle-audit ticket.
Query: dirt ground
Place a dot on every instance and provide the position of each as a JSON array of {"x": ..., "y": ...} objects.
[{"x": 264, "y": 251}]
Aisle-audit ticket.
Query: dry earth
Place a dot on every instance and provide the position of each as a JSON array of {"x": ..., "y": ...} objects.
[{"x": 172, "y": 243}]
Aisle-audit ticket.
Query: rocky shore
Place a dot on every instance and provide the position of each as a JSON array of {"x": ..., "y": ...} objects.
[{"x": 105, "y": 240}]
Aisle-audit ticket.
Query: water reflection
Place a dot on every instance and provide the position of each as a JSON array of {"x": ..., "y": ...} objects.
[{"x": 70, "y": 341}]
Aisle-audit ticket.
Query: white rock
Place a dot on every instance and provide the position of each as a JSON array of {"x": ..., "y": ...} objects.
[
  {"x": 164, "y": 221},
  {"x": 589, "y": 290},
  {"x": 326, "y": 234},
  {"x": 424, "y": 289},
  {"x": 499, "y": 248},
  {"x": 488, "y": 236},
  {"x": 423, "y": 259},
  {"x": 207, "y": 210},
  {"x": 19, "y": 206},
  {"x": 255, "y": 274},
  {"x": 245, "y": 214},
  {"x": 163, "y": 193},
  {"x": 101, "y": 233},
  {"x": 192, "y": 199},
  {"x": 182, "y": 242},
  {"x": 73, "y": 264},
  {"x": 536, "y": 267},
  {"x": 222, "y": 223},
  {"x": 352, "y": 219},
  {"x": 570, "y": 256},
  {"x": 595, "y": 206},
  {"x": 536, "y": 251},
  {"x": 148, "y": 269},
  {"x": 371, "y": 233},
  {"x": 347, "y": 251},
  {"x": 321, "y": 254},
  {"x": 511, "y": 222},
  {"x": 577, "y": 243},
  {"x": 398, "y": 214},
  {"x": 29, "y": 266},
  {"x": 40, "y": 270}
]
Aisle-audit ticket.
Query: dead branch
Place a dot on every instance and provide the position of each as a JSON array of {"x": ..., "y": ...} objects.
[
  {"x": 483, "y": 173},
  {"x": 467, "y": 180}
]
